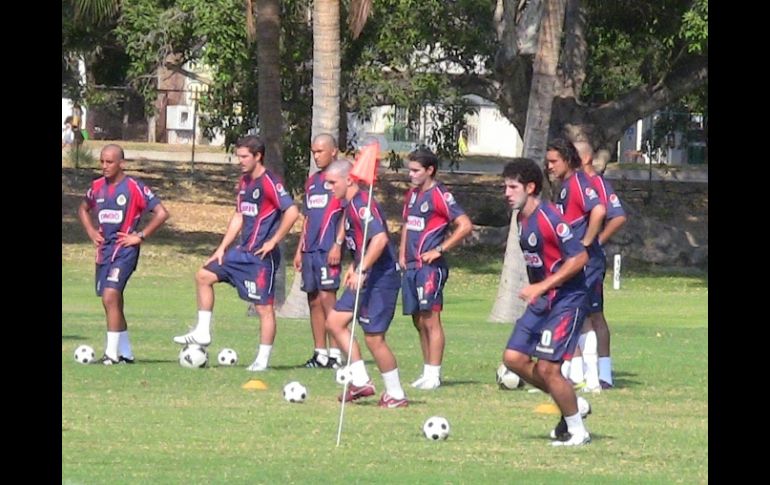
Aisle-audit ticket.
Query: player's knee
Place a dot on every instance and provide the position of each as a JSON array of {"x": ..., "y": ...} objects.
[
  {"x": 515, "y": 360},
  {"x": 110, "y": 297}
]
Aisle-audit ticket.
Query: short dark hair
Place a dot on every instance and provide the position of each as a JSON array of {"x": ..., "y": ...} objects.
[
  {"x": 524, "y": 170},
  {"x": 424, "y": 157},
  {"x": 253, "y": 143},
  {"x": 566, "y": 150}
]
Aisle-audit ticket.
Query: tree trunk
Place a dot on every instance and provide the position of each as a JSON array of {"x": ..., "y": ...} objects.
[
  {"x": 326, "y": 110},
  {"x": 508, "y": 307}
]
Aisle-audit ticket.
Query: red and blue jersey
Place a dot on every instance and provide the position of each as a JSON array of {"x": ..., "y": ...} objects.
[
  {"x": 426, "y": 220},
  {"x": 575, "y": 200},
  {"x": 118, "y": 208},
  {"x": 546, "y": 241},
  {"x": 261, "y": 202},
  {"x": 608, "y": 197},
  {"x": 356, "y": 215},
  {"x": 322, "y": 213}
]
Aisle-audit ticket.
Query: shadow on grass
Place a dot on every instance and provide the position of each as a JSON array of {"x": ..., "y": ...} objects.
[{"x": 72, "y": 337}]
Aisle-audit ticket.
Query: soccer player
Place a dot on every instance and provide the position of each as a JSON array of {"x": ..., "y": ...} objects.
[
  {"x": 118, "y": 202},
  {"x": 614, "y": 220},
  {"x": 556, "y": 295},
  {"x": 583, "y": 210},
  {"x": 317, "y": 259},
  {"x": 379, "y": 287},
  {"x": 429, "y": 208},
  {"x": 264, "y": 213}
]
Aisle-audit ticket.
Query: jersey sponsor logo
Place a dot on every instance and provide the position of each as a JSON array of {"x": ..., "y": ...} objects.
[
  {"x": 255, "y": 194},
  {"x": 110, "y": 216},
  {"x": 532, "y": 259},
  {"x": 414, "y": 223},
  {"x": 532, "y": 239},
  {"x": 563, "y": 193},
  {"x": 317, "y": 201},
  {"x": 249, "y": 209},
  {"x": 614, "y": 200},
  {"x": 121, "y": 200},
  {"x": 99, "y": 201},
  {"x": 114, "y": 275},
  {"x": 563, "y": 230},
  {"x": 280, "y": 189},
  {"x": 327, "y": 186},
  {"x": 449, "y": 198},
  {"x": 591, "y": 193},
  {"x": 413, "y": 199},
  {"x": 148, "y": 193},
  {"x": 424, "y": 207}
]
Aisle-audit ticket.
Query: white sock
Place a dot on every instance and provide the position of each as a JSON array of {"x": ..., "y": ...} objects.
[
  {"x": 111, "y": 349},
  {"x": 335, "y": 353},
  {"x": 263, "y": 356},
  {"x": 322, "y": 356},
  {"x": 204, "y": 322},
  {"x": 591, "y": 360},
  {"x": 430, "y": 371},
  {"x": 575, "y": 424},
  {"x": 565, "y": 366},
  {"x": 393, "y": 384},
  {"x": 358, "y": 372},
  {"x": 576, "y": 370},
  {"x": 605, "y": 369},
  {"x": 124, "y": 345}
]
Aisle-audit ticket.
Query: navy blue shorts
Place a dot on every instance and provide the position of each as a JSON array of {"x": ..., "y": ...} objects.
[
  {"x": 254, "y": 278},
  {"x": 422, "y": 289},
  {"x": 317, "y": 274},
  {"x": 594, "y": 273},
  {"x": 376, "y": 307},
  {"x": 548, "y": 333},
  {"x": 115, "y": 274}
]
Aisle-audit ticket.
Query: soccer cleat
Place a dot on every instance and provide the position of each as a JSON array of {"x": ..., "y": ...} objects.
[
  {"x": 429, "y": 383},
  {"x": 315, "y": 362},
  {"x": 356, "y": 392},
  {"x": 390, "y": 402},
  {"x": 605, "y": 384},
  {"x": 577, "y": 439},
  {"x": 333, "y": 363},
  {"x": 592, "y": 390},
  {"x": 125, "y": 360},
  {"x": 107, "y": 360},
  {"x": 192, "y": 338},
  {"x": 577, "y": 386},
  {"x": 257, "y": 366},
  {"x": 418, "y": 381},
  {"x": 560, "y": 431}
]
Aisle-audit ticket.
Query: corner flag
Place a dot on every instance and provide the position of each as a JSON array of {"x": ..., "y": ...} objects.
[{"x": 365, "y": 167}]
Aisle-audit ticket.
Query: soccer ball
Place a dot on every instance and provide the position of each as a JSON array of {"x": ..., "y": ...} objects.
[
  {"x": 294, "y": 392},
  {"x": 227, "y": 357},
  {"x": 193, "y": 356},
  {"x": 343, "y": 375},
  {"x": 583, "y": 407},
  {"x": 507, "y": 379},
  {"x": 436, "y": 428},
  {"x": 84, "y": 354}
]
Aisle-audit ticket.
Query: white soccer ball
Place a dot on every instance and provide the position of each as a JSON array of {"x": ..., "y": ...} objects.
[
  {"x": 294, "y": 392},
  {"x": 193, "y": 356},
  {"x": 436, "y": 428},
  {"x": 343, "y": 375},
  {"x": 227, "y": 357},
  {"x": 85, "y": 354},
  {"x": 507, "y": 379},
  {"x": 583, "y": 407}
]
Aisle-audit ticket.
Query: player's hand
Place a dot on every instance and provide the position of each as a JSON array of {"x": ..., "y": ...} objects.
[
  {"x": 430, "y": 256},
  {"x": 218, "y": 255},
  {"x": 352, "y": 283},
  {"x": 530, "y": 293},
  {"x": 297, "y": 261},
  {"x": 265, "y": 249},
  {"x": 95, "y": 236},
  {"x": 334, "y": 256},
  {"x": 402, "y": 262},
  {"x": 128, "y": 239}
]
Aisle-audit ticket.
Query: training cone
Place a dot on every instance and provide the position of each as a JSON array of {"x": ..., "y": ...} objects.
[
  {"x": 255, "y": 384},
  {"x": 547, "y": 408}
]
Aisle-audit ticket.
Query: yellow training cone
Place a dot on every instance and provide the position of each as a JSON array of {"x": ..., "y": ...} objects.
[
  {"x": 255, "y": 384},
  {"x": 547, "y": 408}
]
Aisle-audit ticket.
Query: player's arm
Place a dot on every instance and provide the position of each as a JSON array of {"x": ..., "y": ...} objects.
[
  {"x": 377, "y": 245},
  {"x": 159, "y": 216},
  {"x": 595, "y": 221},
  {"x": 463, "y": 227},
  {"x": 298, "y": 253},
  {"x": 288, "y": 218},
  {"x": 233, "y": 228},
  {"x": 568, "y": 269},
  {"x": 612, "y": 226},
  {"x": 402, "y": 248},
  {"x": 84, "y": 214},
  {"x": 335, "y": 252}
]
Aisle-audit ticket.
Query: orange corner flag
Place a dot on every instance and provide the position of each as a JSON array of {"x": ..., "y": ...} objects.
[{"x": 365, "y": 167}]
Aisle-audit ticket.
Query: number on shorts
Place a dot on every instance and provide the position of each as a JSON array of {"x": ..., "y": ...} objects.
[{"x": 545, "y": 339}]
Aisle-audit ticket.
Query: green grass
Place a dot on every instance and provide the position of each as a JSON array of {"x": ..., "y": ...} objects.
[{"x": 156, "y": 422}]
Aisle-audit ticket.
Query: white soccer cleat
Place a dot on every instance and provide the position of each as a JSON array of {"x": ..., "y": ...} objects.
[
  {"x": 193, "y": 338},
  {"x": 428, "y": 384},
  {"x": 256, "y": 366},
  {"x": 592, "y": 390},
  {"x": 418, "y": 382},
  {"x": 577, "y": 439}
]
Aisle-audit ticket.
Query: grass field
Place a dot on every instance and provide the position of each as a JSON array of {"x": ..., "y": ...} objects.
[{"x": 156, "y": 422}]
